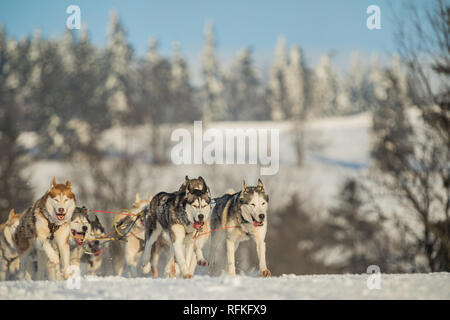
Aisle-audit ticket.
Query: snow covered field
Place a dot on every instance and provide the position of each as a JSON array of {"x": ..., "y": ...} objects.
[{"x": 395, "y": 286}]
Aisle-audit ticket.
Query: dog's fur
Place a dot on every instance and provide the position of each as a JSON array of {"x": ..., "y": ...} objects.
[
  {"x": 80, "y": 229},
  {"x": 244, "y": 215},
  {"x": 128, "y": 251},
  {"x": 9, "y": 258},
  {"x": 92, "y": 257},
  {"x": 177, "y": 216},
  {"x": 43, "y": 225}
]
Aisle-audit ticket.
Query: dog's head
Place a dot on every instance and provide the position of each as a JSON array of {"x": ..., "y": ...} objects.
[
  {"x": 10, "y": 226},
  {"x": 196, "y": 201},
  {"x": 139, "y": 205},
  {"x": 60, "y": 202},
  {"x": 97, "y": 232},
  {"x": 80, "y": 226},
  {"x": 254, "y": 203}
]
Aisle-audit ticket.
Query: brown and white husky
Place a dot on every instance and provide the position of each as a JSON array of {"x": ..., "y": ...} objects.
[
  {"x": 127, "y": 252},
  {"x": 9, "y": 258},
  {"x": 44, "y": 227}
]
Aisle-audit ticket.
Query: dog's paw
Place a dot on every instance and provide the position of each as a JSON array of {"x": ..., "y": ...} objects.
[
  {"x": 266, "y": 273},
  {"x": 202, "y": 262},
  {"x": 146, "y": 268},
  {"x": 155, "y": 272},
  {"x": 188, "y": 276}
]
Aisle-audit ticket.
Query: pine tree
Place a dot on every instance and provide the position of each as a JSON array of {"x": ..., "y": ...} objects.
[
  {"x": 245, "y": 97},
  {"x": 183, "y": 109},
  {"x": 353, "y": 96},
  {"x": 119, "y": 56},
  {"x": 14, "y": 191},
  {"x": 215, "y": 107},
  {"x": 277, "y": 91},
  {"x": 325, "y": 89},
  {"x": 297, "y": 89}
]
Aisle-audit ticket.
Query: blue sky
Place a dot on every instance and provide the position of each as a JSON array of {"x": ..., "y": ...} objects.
[{"x": 317, "y": 26}]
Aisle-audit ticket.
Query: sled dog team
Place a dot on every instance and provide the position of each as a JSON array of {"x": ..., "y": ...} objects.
[{"x": 54, "y": 233}]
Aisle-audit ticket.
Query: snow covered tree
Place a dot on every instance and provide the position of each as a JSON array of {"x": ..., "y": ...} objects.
[
  {"x": 155, "y": 97},
  {"x": 182, "y": 104},
  {"x": 353, "y": 92},
  {"x": 15, "y": 192},
  {"x": 325, "y": 90},
  {"x": 298, "y": 98},
  {"x": 277, "y": 90},
  {"x": 413, "y": 156},
  {"x": 119, "y": 56},
  {"x": 215, "y": 107},
  {"x": 244, "y": 95}
]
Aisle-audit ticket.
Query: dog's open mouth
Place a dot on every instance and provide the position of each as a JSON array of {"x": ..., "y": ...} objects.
[
  {"x": 60, "y": 216},
  {"x": 198, "y": 224},
  {"x": 78, "y": 236},
  {"x": 257, "y": 223}
]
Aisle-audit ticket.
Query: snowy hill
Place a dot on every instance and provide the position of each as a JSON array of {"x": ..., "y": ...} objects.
[{"x": 393, "y": 286}]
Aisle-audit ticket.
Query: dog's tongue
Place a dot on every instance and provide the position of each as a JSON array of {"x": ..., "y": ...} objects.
[
  {"x": 79, "y": 241},
  {"x": 60, "y": 216},
  {"x": 198, "y": 225},
  {"x": 256, "y": 223}
]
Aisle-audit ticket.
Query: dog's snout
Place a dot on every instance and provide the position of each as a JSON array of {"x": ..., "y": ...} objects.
[
  {"x": 61, "y": 210},
  {"x": 200, "y": 217},
  {"x": 85, "y": 228},
  {"x": 262, "y": 216}
]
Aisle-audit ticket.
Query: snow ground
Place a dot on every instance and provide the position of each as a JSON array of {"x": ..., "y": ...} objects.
[{"x": 393, "y": 286}]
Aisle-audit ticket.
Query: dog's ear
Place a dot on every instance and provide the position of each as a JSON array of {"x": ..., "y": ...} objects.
[
  {"x": 69, "y": 184},
  {"x": 243, "y": 186},
  {"x": 53, "y": 182},
  {"x": 138, "y": 197},
  {"x": 11, "y": 214},
  {"x": 205, "y": 186},
  {"x": 260, "y": 186},
  {"x": 186, "y": 178}
]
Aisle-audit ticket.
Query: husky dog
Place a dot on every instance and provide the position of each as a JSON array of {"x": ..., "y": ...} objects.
[
  {"x": 177, "y": 216},
  {"x": 244, "y": 215},
  {"x": 9, "y": 262},
  {"x": 80, "y": 229},
  {"x": 43, "y": 225},
  {"x": 91, "y": 257},
  {"x": 132, "y": 248}
]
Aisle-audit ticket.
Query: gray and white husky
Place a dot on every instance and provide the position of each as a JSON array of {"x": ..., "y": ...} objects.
[
  {"x": 178, "y": 217},
  {"x": 242, "y": 215}
]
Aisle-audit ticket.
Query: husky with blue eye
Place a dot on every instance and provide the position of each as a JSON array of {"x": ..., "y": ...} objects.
[
  {"x": 179, "y": 217},
  {"x": 241, "y": 216}
]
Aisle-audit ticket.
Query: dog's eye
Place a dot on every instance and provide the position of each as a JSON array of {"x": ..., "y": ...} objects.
[
  {"x": 263, "y": 203},
  {"x": 253, "y": 205}
]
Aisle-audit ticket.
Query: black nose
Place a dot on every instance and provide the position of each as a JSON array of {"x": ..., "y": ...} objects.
[
  {"x": 200, "y": 217},
  {"x": 261, "y": 216},
  {"x": 97, "y": 242},
  {"x": 84, "y": 228}
]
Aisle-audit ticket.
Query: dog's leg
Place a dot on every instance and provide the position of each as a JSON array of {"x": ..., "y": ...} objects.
[
  {"x": 261, "y": 251},
  {"x": 43, "y": 264},
  {"x": 3, "y": 268},
  {"x": 64, "y": 251},
  {"x": 155, "y": 258},
  {"x": 131, "y": 251},
  {"x": 178, "y": 235},
  {"x": 24, "y": 261},
  {"x": 231, "y": 248},
  {"x": 149, "y": 241}
]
